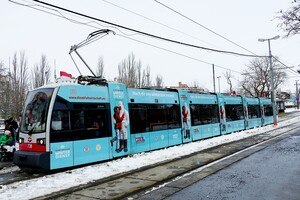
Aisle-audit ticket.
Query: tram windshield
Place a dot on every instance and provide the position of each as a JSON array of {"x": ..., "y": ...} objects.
[{"x": 35, "y": 111}]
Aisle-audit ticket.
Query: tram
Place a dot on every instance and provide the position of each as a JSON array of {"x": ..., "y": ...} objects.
[{"x": 71, "y": 124}]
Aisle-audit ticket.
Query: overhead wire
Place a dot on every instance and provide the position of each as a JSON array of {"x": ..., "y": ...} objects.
[
  {"x": 33, "y": 6},
  {"x": 157, "y": 22},
  {"x": 180, "y": 54},
  {"x": 287, "y": 67},
  {"x": 214, "y": 32},
  {"x": 145, "y": 33},
  {"x": 210, "y": 30},
  {"x": 89, "y": 24}
]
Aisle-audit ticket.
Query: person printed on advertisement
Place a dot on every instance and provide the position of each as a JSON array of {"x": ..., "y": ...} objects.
[
  {"x": 123, "y": 130},
  {"x": 117, "y": 119},
  {"x": 185, "y": 119}
]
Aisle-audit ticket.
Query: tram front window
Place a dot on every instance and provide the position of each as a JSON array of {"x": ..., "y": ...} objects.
[{"x": 35, "y": 111}]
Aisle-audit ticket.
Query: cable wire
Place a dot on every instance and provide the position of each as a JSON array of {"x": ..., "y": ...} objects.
[
  {"x": 180, "y": 54},
  {"x": 157, "y": 22},
  {"x": 126, "y": 37},
  {"x": 287, "y": 67},
  {"x": 145, "y": 33},
  {"x": 204, "y": 27}
]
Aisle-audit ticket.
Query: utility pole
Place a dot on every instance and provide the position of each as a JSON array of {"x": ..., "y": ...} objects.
[
  {"x": 273, "y": 98},
  {"x": 214, "y": 78}
]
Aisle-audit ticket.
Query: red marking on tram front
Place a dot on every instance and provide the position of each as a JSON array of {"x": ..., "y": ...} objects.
[{"x": 32, "y": 147}]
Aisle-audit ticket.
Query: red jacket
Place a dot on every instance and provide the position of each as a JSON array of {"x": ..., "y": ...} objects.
[
  {"x": 119, "y": 120},
  {"x": 185, "y": 115}
]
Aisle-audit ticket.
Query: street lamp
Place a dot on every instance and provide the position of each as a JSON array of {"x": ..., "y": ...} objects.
[
  {"x": 219, "y": 83},
  {"x": 271, "y": 77}
]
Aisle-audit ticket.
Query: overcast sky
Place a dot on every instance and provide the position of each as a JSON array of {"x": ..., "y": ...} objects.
[{"x": 243, "y": 22}]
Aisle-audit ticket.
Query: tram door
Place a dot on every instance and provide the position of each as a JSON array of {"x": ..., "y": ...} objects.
[{"x": 120, "y": 141}]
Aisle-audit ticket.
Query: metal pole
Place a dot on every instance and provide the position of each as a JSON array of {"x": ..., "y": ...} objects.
[
  {"x": 219, "y": 83},
  {"x": 84, "y": 62},
  {"x": 214, "y": 78},
  {"x": 273, "y": 99}
]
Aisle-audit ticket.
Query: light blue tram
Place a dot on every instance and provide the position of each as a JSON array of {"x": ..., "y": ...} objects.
[
  {"x": 234, "y": 119},
  {"x": 267, "y": 110},
  {"x": 205, "y": 119},
  {"x": 254, "y": 114},
  {"x": 155, "y": 120},
  {"x": 66, "y": 125}
]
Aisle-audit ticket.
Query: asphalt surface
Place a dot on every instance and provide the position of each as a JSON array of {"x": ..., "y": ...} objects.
[{"x": 272, "y": 173}]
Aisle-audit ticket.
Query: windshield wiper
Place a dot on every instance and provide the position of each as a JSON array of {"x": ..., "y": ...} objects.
[{"x": 31, "y": 130}]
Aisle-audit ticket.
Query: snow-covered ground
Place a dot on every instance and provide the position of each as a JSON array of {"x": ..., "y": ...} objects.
[
  {"x": 52, "y": 183},
  {"x": 289, "y": 110}
]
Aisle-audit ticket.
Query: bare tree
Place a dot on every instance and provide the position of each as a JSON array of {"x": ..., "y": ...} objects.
[
  {"x": 159, "y": 82},
  {"x": 290, "y": 19},
  {"x": 195, "y": 86},
  {"x": 2, "y": 70},
  {"x": 228, "y": 76},
  {"x": 100, "y": 67},
  {"x": 132, "y": 74},
  {"x": 18, "y": 83},
  {"x": 146, "y": 77},
  {"x": 41, "y": 73},
  {"x": 128, "y": 71},
  {"x": 3, "y": 81},
  {"x": 256, "y": 79}
]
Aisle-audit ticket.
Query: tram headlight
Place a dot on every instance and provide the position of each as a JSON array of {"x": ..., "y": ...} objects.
[
  {"x": 41, "y": 141},
  {"x": 21, "y": 140}
]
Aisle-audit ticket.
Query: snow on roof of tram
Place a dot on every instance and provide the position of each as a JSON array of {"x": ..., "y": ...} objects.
[{"x": 54, "y": 85}]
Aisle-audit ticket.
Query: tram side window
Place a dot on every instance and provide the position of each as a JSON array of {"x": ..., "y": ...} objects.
[
  {"x": 157, "y": 117},
  {"x": 91, "y": 123},
  {"x": 253, "y": 111},
  {"x": 195, "y": 115},
  {"x": 60, "y": 120},
  {"x": 234, "y": 112},
  {"x": 71, "y": 124},
  {"x": 202, "y": 114},
  {"x": 214, "y": 114},
  {"x": 78, "y": 119},
  {"x": 268, "y": 110},
  {"x": 149, "y": 117},
  {"x": 138, "y": 118},
  {"x": 174, "y": 120}
]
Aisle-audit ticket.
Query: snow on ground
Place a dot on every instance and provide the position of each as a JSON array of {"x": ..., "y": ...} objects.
[
  {"x": 6, "y": 170},
  {"x": 55, "y": 182},
  {"x": 290, "y": 110}
]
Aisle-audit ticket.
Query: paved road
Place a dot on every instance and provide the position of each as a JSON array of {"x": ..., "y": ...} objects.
[{"x": 272, "y": 173}]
